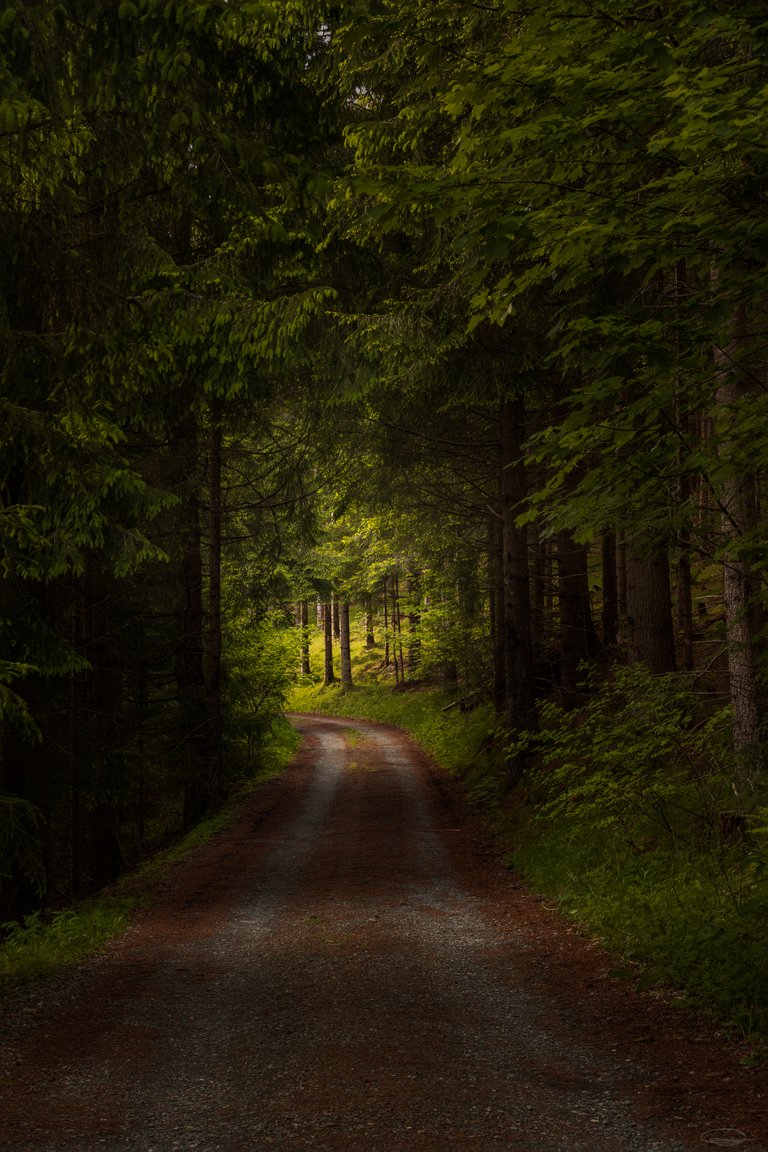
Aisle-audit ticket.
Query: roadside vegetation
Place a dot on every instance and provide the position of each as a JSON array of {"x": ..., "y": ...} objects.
[
  {"x": 46, "y": 941},
  {"x": 624, "y": 818}
]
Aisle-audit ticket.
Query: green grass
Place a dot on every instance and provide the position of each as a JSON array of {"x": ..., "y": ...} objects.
[
  {"x": 45, "y": 943},
  {"x": 676, "y": 915}
]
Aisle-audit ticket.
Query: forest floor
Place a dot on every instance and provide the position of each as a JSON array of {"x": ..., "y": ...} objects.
[{"x": 349, "y": 966}]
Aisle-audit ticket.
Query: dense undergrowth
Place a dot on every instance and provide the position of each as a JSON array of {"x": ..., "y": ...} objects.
[
  {"x": 47, "y": 941},
  {"x": 626, "y": 818}
]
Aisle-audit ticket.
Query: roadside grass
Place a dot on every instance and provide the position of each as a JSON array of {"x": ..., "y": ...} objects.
[
  {"x": 631, "y": 824},
  {"x": 48, "y": 942},
  {"x": 43, "y": 945},
  {"x": 675, "y": 917},
  {"x": 618, "y": 826}
]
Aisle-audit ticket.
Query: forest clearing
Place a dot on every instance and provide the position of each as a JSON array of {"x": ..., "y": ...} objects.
[{"x": 405, "y": 363}]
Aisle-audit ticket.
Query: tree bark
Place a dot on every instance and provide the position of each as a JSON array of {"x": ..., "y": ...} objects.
[
  {"x": 684, "y": 602},
  {"x": 518, "y": 648},
  {"x": 686, "y": 429},
  {"x": 304, "y": 625},
  {"x": 537, "y": 548},
  {"x": 621, "y": 576},
  {"x": 370, "y": 639},
  {"x": 190, "y": 670},
  {"x": 328, "y": 673},
  {"x": 345, "y": 653},
  {"x": 399, "y": 625},
  {"x": 496, "y": 609},
  {"x": 414, "y": 620},
  {"x": 738, "y": 516},
  {"x": 215, "y": 723},
  {"x": 610, "y": 611},
  {"x": 386, "y": 625},
  {"x": 394, "y": 614},
  {"x": 578, "y": 640},
  {"x": 650, "y": 634}
]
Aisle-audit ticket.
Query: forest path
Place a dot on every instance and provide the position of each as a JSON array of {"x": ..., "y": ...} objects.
[{"x": 347, "y": 967}]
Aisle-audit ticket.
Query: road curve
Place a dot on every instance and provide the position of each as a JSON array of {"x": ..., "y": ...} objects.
[{"x": 345, "y": 969}]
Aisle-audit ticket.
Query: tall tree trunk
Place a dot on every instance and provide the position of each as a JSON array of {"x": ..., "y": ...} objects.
[
  {"x": 190, "y": 670},
  {"x": 496, "y": 609},
  {"x": 414, "y": 619},
  {"x": 610, "y": 610},
  {"x": 650, "y": 634},
  {"x": 102, "y": 706},
  {"x": 518, "y": 647},
  {"x": 537, "y": 548},
  {"x": 738, "y": 517},
  {"x": 578, "y": 640},
  {"x": 686, "y": 430},
  {"x": 684, "y": 601},
  {"x": 346, "y": 656},
  {"x": 214, "y": 709},
  {"x": 76, "y": 756},
  {"x": 399, "y": 624},
  {"x": 386, "y": 624},
  {"x": 304, "y": 624},
  {"x": 328, "y": 673},
  {"x": 336, "y": 620},
  {"x": 706, "y": 501},
  {"x": 393, "y": 615},
  {"x": 621, "y": 575},
  {"x": 370, "y": 639}
]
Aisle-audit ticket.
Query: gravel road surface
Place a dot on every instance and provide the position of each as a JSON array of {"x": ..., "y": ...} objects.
[{"x": 349, "y": 967}]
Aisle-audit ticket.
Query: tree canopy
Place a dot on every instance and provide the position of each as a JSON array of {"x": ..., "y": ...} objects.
[{"x": 450, "y": 313}]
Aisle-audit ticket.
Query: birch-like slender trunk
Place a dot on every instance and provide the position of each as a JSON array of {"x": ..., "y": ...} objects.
[
  {"x": 738, "y": 517},
  {"x": 329, "y": 676},
  {"x": 304, "y": 625}
]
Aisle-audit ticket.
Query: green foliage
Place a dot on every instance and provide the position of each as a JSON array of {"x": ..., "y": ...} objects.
[
  {"x": 638, "y": 756},
  {"x": 41, "y": 946},
  {"x": 261, "y": 656},
  {"x": 696, "y": 922},
  {"x": 628, "y": 829},
  {"x": 21, "y": 852}
]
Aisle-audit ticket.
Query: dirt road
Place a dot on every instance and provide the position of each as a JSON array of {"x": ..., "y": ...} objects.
[{"x": 348, "y": 968}]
